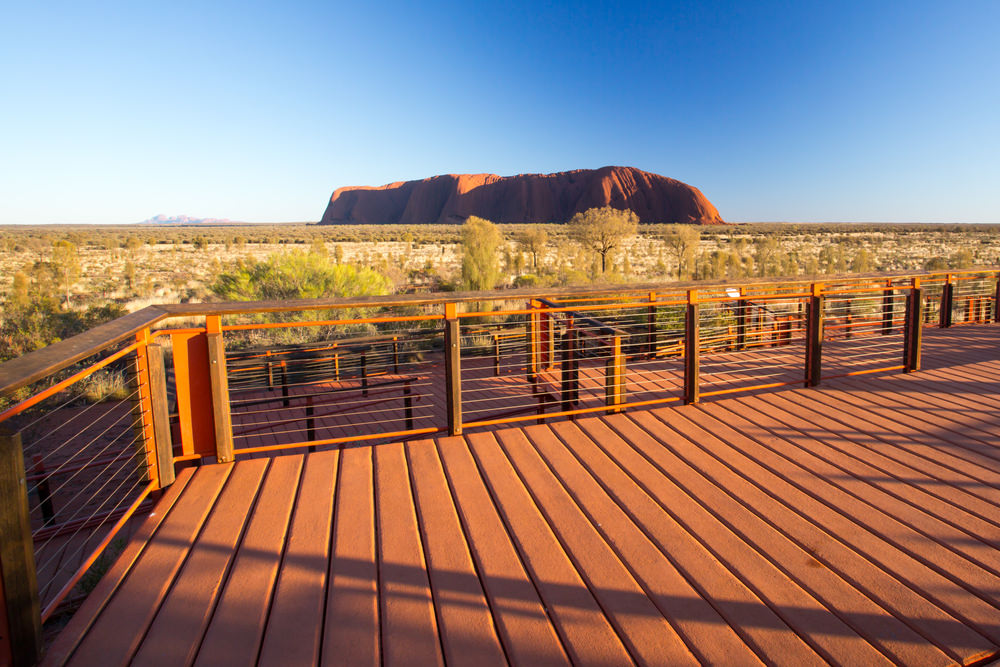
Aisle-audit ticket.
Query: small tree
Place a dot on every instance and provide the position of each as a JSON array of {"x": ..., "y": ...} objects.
[
  {"x": 533, "y": 241},
  {"x": 129, "y": 273},
  {"x": 862, "y": 261},
  {"x": 603, "y": 229},
  {"x": 66, "y": 267},
  {"x": 682, "y": 241},
  {"x": 767, "y": 253},
  {"x": 481, "y": 241}
]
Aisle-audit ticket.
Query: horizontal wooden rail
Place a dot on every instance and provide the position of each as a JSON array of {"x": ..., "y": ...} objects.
[{"x": 42, "y": 363}]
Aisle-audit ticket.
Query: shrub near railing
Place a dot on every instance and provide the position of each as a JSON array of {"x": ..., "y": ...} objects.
[{"x": 73, "y": 474}]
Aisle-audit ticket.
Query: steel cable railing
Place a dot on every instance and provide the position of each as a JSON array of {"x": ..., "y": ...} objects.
[
  {"x": 86, "y": 469},
  {"x": 329, "y": 389}
]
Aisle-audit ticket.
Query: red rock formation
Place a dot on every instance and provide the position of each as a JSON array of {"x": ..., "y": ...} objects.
[{"x": 523, "y": 198}]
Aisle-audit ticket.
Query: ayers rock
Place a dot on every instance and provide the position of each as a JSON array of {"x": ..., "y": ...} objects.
[{"x": 524, "y": 198}]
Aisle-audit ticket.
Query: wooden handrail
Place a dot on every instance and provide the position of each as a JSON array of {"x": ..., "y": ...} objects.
[{"x": 41, "y": 363}]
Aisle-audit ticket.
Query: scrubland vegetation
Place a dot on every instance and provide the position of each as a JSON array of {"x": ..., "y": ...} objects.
[{"x": 58, "y": 280}]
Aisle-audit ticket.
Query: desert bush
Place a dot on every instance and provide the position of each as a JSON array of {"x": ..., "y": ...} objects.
[
  {"x": 481, "y": 241},
  {"x": 682, "y": 242},
  {"x": 297, "y": 275}
]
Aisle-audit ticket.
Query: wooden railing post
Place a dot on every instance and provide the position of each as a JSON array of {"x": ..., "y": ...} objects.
[
  {"x": 310, "y": 422},
  {"x": 142, "y": 412},
  {"x": 912, "y": 331},
  {"x": 570, "y": 370},
  {"x": 651, "y": 326},
  {"x": 947, "y": 301},
  {"x": 814, "y": 336},
  {"x": 614, "y": 375},
  {"x": 531, "y": 339},
  {"x": 364, "y": 374},
  {"x": 550, "y": 343},
  {"x": 162, "y": 438},
  {"x": 496, "y": 355},
  {"x": 220, "y": 389},
  {"x": 996, "y": 301},
  {"x": 741, "y": 322},
  {"x": 395, "y": 355},
  {"x": 284, "y": 383},
  {"x": 887, "y": 309},
  {"x": 849, "y": 317},
  {"x": 408, "y": 404},
  {"x": 453, "y": 369},
  {"x": 692, "y": 345},
  {"x": 21, "y": 634}
]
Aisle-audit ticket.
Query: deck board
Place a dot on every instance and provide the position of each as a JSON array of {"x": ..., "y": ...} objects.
[
  {"x": 301, "y": 586},
  {"x": 852, "y": 523},
  {"x": 351, "y": 629},
  {"x": 181, "y": 621},
  {"x": 234, "y": 633},
  {"x": 116, "y": 634},
  {"x": 467, "y": 628}
]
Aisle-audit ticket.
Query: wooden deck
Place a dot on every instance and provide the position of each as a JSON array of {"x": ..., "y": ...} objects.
[{"x": 853, "y": 523}]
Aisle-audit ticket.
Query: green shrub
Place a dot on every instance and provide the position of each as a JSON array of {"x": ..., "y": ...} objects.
[{"x": 297, "y": 275}]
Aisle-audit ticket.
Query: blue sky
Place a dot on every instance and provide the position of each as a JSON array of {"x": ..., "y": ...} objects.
[{"x": 799, "y": 111}]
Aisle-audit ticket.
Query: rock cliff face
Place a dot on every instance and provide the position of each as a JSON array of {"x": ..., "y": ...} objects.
[{"x": 524, "y": 198}]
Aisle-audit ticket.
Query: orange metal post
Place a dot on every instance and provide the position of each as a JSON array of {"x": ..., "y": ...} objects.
[{"x": 196, "y": 424}]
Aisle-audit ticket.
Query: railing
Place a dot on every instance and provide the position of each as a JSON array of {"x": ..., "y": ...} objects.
[{"x": 96, "y": 426}]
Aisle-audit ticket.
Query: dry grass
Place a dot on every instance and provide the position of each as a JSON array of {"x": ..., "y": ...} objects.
[{"x": 179, "y": 263}]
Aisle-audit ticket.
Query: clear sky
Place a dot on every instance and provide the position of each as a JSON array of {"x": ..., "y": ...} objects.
[{"x": 799, "y": 111}]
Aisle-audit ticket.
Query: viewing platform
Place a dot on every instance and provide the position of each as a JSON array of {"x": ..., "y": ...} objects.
[{"x": 770, "y": 473}]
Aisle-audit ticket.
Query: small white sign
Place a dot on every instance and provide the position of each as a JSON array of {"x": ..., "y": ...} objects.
[{"x": 733, "y": 292}]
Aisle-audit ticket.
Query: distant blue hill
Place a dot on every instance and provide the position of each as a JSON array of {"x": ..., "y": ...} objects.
[{"x": 185, "y": 220}]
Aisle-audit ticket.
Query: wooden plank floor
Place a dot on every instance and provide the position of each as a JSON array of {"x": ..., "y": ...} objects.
[{"x": 853, "y": 523}]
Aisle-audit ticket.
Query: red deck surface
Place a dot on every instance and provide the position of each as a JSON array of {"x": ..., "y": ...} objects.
[{"x": 854, "y": 523}]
